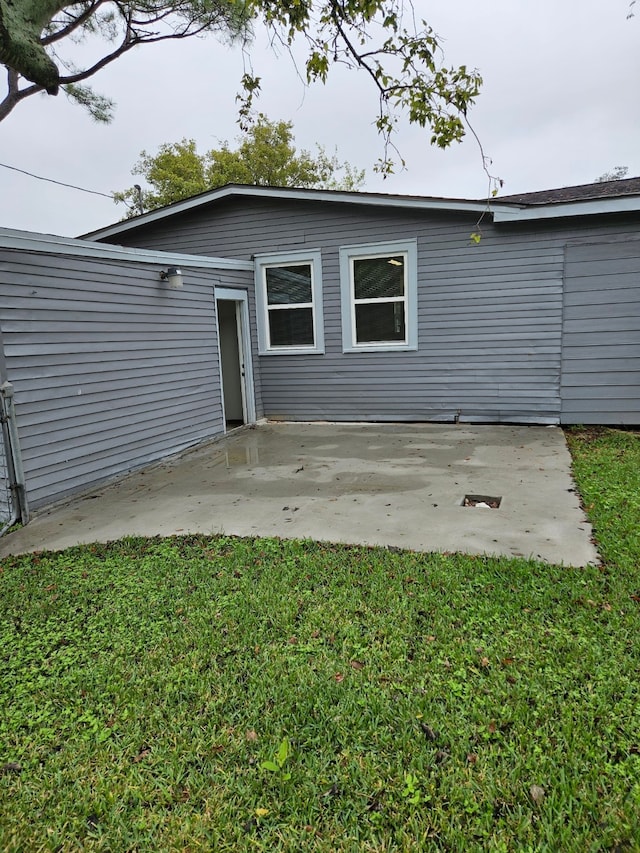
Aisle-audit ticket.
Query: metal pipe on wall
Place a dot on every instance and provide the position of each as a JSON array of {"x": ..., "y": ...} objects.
[{"x": 14, "y": 457}]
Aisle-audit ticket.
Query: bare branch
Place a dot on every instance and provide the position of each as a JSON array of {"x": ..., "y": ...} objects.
[
  {"x": 494, "y": 183},
  {"x": 130, "y": 40},
  {"x": 352, "y": 51},
  {"x": 14, "y": 93},
  {"x": 72, "y": 25},
  {"x": 124, "y": 46}
]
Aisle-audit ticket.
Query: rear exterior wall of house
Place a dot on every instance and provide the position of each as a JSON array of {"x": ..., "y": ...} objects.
[{"x": 496, "y": 332}]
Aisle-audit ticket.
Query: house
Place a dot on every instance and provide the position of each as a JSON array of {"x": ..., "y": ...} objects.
[
  {"x": 536, "y": 323},
  {"x": 313, "y": 304}
]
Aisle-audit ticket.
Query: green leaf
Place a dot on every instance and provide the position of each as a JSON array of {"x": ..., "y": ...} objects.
[
  {"x": 283, "y": 752},
  {"x": 270, "y": 765}
]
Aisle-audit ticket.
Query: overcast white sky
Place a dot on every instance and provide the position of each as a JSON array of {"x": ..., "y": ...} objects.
[{"x": 559, "y": 106}]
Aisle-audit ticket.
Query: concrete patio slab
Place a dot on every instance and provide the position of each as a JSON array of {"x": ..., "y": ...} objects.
[{"x": 399, "y": 485}]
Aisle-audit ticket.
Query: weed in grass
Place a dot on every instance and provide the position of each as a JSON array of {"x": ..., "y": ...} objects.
[{"x": 280, "y": 759}]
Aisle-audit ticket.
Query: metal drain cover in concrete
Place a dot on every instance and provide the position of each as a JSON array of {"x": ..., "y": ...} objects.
[{"x": 483, "y": 501}]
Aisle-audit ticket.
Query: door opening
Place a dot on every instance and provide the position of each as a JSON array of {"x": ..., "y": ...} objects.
[
  {"x": 236, "y": 362},
  {"x": 232, "y": 363}
]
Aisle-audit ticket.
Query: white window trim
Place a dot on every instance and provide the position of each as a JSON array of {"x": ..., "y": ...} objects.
[
  {"x": 262, "y": 262},
  {"x": 408, "y": 248}
]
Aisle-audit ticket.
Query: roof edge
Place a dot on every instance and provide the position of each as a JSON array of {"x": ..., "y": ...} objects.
[
  {"x": 558, "y": 210},
  {"x": 335, "y": 196},
  {"x": 501, "y": 211},
  {"x": 29, "y": 241}
]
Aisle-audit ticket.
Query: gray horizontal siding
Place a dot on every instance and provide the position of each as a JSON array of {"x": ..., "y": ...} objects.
[
  {"x": 490, "y": 315},
  {"x": 111, "y": 369},
  {"x": 601, "y": 340}
]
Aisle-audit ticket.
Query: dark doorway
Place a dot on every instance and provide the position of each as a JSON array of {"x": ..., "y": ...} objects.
[{"x": 231, "y": 361}]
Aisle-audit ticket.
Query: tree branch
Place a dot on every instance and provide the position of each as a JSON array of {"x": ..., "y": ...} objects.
[
  {"x": 351, "y": 49},
  {"x": 125, "y": 45},
  {"x": 15, "y": 94},
  {"x": 404, "y": 63},
  {"x": 72, "y": 25},
  {"x": 130, "y": 40}
]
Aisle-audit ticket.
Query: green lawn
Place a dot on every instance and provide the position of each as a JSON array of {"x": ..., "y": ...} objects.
[{"x": 228, "y": 694}]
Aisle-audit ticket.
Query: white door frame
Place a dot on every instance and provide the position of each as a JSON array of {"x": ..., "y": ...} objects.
[{"x": 241, "y": 299}]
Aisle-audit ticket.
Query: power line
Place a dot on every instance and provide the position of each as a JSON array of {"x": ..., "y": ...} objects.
[{"x": 59, "y": 183}]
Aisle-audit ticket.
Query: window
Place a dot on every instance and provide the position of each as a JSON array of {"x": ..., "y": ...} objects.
[
  {"x": 289, "y": 299},
  {"x": 379, "y": 285}
]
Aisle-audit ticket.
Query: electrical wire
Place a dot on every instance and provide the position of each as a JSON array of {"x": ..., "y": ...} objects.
[{"x": 59, "y": 183}]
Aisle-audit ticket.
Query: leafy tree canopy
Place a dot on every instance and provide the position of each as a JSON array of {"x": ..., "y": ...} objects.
[
  {"x": 380, "y": 38},
  {"x": 265, "y": 156}
]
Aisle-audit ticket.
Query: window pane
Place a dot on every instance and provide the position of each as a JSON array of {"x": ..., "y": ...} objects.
[
  {"x": 380, "y": 322},
  {"x": 288, "y": 285},
  {"x": 291, "y": 327},
  {"x": 378, "y": 277}
]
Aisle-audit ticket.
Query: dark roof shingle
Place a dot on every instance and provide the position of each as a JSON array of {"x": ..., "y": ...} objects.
[{"x": 583, "y": 192}]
